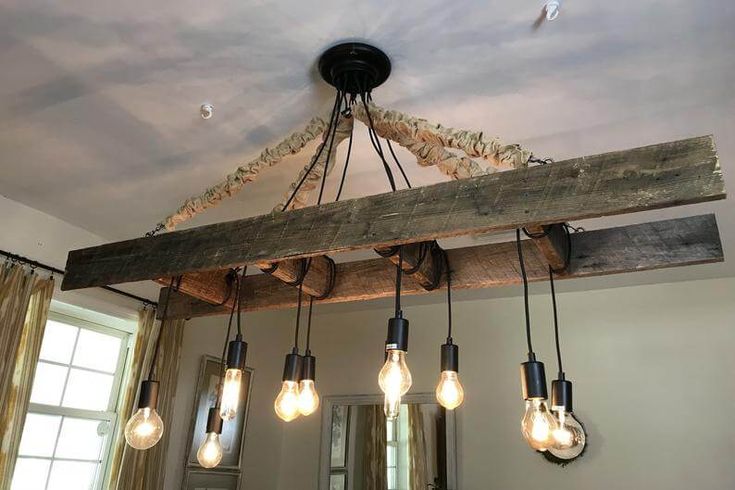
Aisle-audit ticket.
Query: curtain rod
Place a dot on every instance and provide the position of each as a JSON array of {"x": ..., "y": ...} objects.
[{"x": 34, "y": 263}]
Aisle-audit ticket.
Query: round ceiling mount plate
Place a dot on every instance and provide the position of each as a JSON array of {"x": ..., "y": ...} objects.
[{"x": 354, "y": 67}]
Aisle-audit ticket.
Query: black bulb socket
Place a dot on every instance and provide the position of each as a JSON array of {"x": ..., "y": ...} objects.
[
  {"x": 214, "y": 421},
  {"x": 292, "y": 367},
  {"x": 237, "y": 351},
  {"x": 561, "y": 395},
  {"x": 308, "y": 366},
  {"x": 533, "y": 379},
  {"x": 397, "y": 334},
  {"x": 450, "y": 357},
  {"x": 148, "y": 397}
]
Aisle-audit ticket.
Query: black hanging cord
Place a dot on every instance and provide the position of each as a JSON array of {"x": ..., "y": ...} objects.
[
  {"x": 160, "y": 330},
  {"x": 399, "y": 274},
  {"x": 238, "y": 300},
  {"x": 329, "y": 151},
  {"x": 308, "y": 326},
  {"x": 556, "y": 324},
  {"x": 375, "y": 140},
  {"x": 344, "y": 171},
  {"x": 298, "y": 321},
  {"x": 449, "y": 296},
  {"x": 398, "y": 163},
  {"x": 525, "y": 291},
  {"x": 223, "y": 361},
  {"x": 330, "y": 129}
]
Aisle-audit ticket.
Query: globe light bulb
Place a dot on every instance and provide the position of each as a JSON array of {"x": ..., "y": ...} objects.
[
  {"x": 449, "y": 391},
  {"x": 230, "y": 394},
  {"x": 287, "y": 401},
  {"x": 395, "y": 381},
  {"x": 568, "y": 437},
  {"x": 144, "y": 429},
  {"x": 209, "y": 454},
  {"x": 538, "y": 424},
  {"x": 308, "y": 397}
]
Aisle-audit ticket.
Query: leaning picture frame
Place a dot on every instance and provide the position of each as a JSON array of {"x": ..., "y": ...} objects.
[{"x": 233, "y": 431}]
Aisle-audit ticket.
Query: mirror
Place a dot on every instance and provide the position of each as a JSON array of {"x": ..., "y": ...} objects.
[{"x": 361, "y": 450}]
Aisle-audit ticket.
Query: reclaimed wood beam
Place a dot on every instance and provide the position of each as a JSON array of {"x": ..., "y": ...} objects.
[
  {"x": 423, "y": 261},
  {"x": 552, "y": 242},
  {"x": 656, "y": 245},
  {"x": 651, "y": 177}
]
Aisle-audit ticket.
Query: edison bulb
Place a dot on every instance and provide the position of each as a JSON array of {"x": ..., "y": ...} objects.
[
  {"x": 538, "y": 424},
  {"x": 144, "y": 429},
  {"x": 568, "y": 436},
  {"x": 395, "y": 381},
  {"x": 287, "y": 401},
  {"x": 308, "y": 397},
  {"x": 449, "y": 391},
  {"x": 230, "y": 394},
  {"x": 210, "y": 452}
]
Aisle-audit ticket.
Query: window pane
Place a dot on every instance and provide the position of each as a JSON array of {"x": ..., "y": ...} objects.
[
  {"x": 81, "y": 439},
  {"x": 97, "y": 351},
  {"x": 87, "y": 390},
  {"x": 392, "y": 478},
  {"x": 390, "y": 427},
  {"x": 392, "y": 455},
  {"x": 58, "y": 342},
  {"x": 72, "y": 475},
  {"x": 39, "y": 435},
  {"x": 30, "y": 474},
  {"x": 48, "y": 384}
]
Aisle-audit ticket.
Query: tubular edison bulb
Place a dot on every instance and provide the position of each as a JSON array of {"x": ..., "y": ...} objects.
[
  {"x": 144, "y": 429},
  {"x": 287, "y": 401},
  {"x": 230, "y": 394},
  {"x": 449, "y": 392},
  {"x": 308, "y": 397},
  {"x": 538, "y": 424},
  {"x": 210, "y": 452},
  {"x": 395, "y": 381}
]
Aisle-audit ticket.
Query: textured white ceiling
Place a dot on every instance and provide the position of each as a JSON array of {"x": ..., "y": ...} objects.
[{"x": 99, "y": 100}]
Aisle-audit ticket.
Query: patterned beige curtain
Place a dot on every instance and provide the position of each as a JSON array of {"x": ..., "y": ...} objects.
[
  {"x": 24, "y": 305},
  {"x": 145, "y": 470},
  {"x": 416, "y": 447},
  {"x": 375, "y": 465}
]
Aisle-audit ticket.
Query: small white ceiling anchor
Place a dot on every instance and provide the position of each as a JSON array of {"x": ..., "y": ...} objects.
[
  {"x": 552, "y": 9},
  {"x": 206, "y": 111}
]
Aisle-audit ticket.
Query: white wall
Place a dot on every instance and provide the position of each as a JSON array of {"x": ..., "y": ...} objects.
[{"x": 652, "y": 367}]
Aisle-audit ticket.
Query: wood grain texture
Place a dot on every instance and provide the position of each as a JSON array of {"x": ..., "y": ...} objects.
[
  {"x": 424, "y": 258},
  {"x": 552, "y": 243},
  {"x": 662, "y": 175},
  {"x": 660, "y": 244}
]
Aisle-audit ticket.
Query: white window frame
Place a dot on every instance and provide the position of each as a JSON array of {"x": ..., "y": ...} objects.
[{"x": 116, "y": 327}]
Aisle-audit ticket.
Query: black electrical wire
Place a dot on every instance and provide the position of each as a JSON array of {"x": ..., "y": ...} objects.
[
  {"x": 330, "y": 129},
  {"x": 160, "y": 330},
  {"x": 329, "y": 151},
  {"x": 449, "y": 296},
  {"x": 223, "y": 360},
  {"x": 298, "y": 320},
  {"x": 344, "y": 171},
  {"x": 525, "y": 291},
  {"x": 399, "y": 274},
  {"x": 308, "y": 325},
  {"x": 239, "y": 300},
  {"x": 398, "y": 163},
  {"x": 375, "y": 140},
  {"x": 556, "y": 324}
]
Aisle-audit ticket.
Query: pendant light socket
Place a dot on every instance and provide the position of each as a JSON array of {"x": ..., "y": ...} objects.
[
  {"x": 533, "y": 379},
  {"x": 397, "y": 334},
  {"x": 214, "y": 421},
  {"x": 148, "y": 397},
  {"x": 237, "y": 351},
  {"x": 292, "y": 368},
  {"x": 561, "y": 395},
  {"x": 308, "y": 366},
  {"x": 450, "y": 357}
]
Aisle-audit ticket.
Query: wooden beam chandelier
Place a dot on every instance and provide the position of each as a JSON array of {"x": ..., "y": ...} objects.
[{"x": 493, "y": 187}]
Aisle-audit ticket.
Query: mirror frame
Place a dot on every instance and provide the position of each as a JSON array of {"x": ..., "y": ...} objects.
[{"x": 421, "y": 398}]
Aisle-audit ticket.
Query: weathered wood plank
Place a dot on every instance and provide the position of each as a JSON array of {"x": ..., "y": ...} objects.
[
  {"x": 553, "y": 244},
  {"x": 316, "y": 282},
  {"x": 423, "y": 259},
  {"x": 667, "y": 174},
  {"x": 660, "y": 244}
]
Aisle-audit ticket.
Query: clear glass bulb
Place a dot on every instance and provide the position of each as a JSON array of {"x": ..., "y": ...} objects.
[
  {"x": 538, "y": 424},
  {"x": 287, "y": 401},
  {"x": 569, "y": 437},
  {"x": 308, "y": 397},
  {"x": 230, "y": 394},
  {"x": 210, "y": 452},
  {"x": 144, "y": 429},
  {"x": 449, "y": 391},
  {"x": 395, "y": 381}
]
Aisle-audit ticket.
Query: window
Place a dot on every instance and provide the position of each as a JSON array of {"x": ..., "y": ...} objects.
[
  {"x": 396, "y": 450},
  {"x": 68, "y": 428}
]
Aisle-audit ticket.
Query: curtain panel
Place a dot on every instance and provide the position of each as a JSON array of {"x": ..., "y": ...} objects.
[{"x": 24, "y": 304}]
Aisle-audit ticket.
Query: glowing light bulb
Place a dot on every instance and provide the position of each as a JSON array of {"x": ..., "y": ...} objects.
[
  {"x": 230, "y": 394},
  {"x": 144, "y": 429},
  {"x": 209, "y": 454},
  {"x": 568, "y": 436},
  {"x": 449, "y": 391},
  {"x": 395, "y": 381},
  {"x": 308, "y": 397},
  {"x": 538, "y": 424},
  {"x": 287, "y": 401}
]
